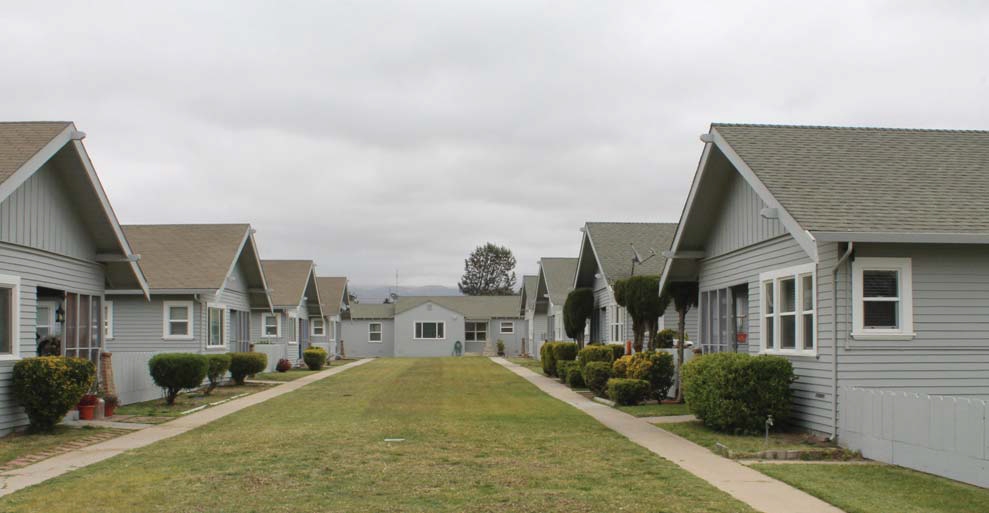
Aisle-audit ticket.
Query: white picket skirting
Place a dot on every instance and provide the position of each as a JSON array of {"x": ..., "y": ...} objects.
[
  {"x": 943, "y": 435},
  {"x": 275, "y": 352},
  {"x": 132, "y": 377}
]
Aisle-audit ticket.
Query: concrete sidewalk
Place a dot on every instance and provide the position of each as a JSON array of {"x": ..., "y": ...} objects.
[
  {"x": 14, "y": 480},
  {"x": 759, "y": 491}
]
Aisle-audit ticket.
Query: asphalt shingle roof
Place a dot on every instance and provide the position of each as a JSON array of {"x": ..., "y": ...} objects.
[
  {"x": 559, "y": 274},
  {"x": 331, "y": 290},
  {"x": 530, "y": 284},
  {"x": 372, "y": 311},
  {"x": 287, "y": 280},
  {"x": 19, "y": 141},
  {"x": 837, "y": 179},
  {"x": 613, "y": 245},
  {"x": 471, "y": 307},
  {"x": 186, "y": 256}
]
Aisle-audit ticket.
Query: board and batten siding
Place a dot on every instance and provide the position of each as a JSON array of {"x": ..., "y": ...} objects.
[
  {"x": 812, "y": 390},
  {"x": 38, "y": 269},
  {"x": 740, "y": 223},
  {"x": 41, "y": 214},
  {"x": 354, "y": 334}
]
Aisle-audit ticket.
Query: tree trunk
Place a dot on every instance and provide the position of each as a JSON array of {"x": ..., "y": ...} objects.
[
  {"x": 653, "y": 331},
  {"x": 637, "y": 332},
  {"x": 681, "y": 329}
]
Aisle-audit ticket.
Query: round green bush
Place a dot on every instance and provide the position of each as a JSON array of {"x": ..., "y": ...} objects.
[
  {"x": 628, "y": 392},
  {"x": 315, "y": 358},
  {"x": 176, "y": 371},
  {"x": 246, "y": 364},
  {"x": 617, "y": 351},
  {"x": 561, "y": 369},
  {"x": 547, "y": 358},
  {"x": 565, "y": 351},
  {"x": 735, "y": 392},
  {"x": 217, "y": 367},
  {"x": 596, "y": 376},
  {"x": 619, "y": 369},
  {"x": 656, "y": 368},
  {"x": 574, "y": 378},
  {"x": 595, "y": 353},
  {"x": 49, "y": 386}
]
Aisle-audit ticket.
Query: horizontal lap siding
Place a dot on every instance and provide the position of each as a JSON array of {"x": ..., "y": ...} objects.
[
  {"x": 138, "y": 325},
  {"x": 513, "y": 341},
  {"x": 354, "y": 334},
  {"x": 405, "y": 345}
]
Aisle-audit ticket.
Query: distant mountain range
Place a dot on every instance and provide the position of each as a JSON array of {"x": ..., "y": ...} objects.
[{"x": 378, "y": 294}]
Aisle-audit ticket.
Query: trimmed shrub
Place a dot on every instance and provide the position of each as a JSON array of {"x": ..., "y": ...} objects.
[
  {"x": 617, "y": 351},
  {"x": 596, "y": 376},
  {"x": 619, "y": 369},
  {"x": 283, "y": 365},
  {"x": 547, "y": 357},
  {"x": 574, "y": 378},
  {"x": 656, "y": 368},
  {"x": 595, "y": 353},
  {"x": 735, "y": 392},
  {"x": 49, "y": 386},
  {"x": 246, "y": 364},
  {"x": 565, "y": 368},
  {"x": 664, "y": 339},
  {"x": 174, "y": 372},
  {"x": 501, "y": 347},
  {"x": 565, "y": 351},
  {"x": 627, "y": 392},
  {"x": 218, "y": 365},
  {"x": 315, "y": 358}
]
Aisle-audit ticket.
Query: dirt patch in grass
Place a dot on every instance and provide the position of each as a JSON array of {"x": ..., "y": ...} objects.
[
  {"x": 186, "y": 401},
  {"x": 22, "y": 449},
  {"x": 748, "y": 446}
]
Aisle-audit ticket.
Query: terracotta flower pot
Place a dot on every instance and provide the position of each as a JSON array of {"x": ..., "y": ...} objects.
[
  {"x": 86, "y": 411},
  {"x": 109, "y": 409}
]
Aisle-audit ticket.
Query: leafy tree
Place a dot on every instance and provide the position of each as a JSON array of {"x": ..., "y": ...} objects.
[
  {"x": 684, "y": 294},
  {"x": 489, "y": 271},
  {"x": 576, "y": 311},
  {"x": 640, "y": 297}
]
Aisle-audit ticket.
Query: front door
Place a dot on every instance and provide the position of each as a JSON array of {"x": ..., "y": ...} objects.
[{"x": 240, "y": 329}]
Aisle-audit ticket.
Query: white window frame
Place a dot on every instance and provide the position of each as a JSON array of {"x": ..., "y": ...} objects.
[
  {"x": 312, "y": 327},
  {"x": 278, "y": 325},
  {"x": 904, "y": 268},
  {"x": 166, "y": 320},
  {"x": 379, "y": 332},
  {"x": 293, "y": 318},
  {"x": 501, "y": 327},
  {"x": 796, "y": 273},
  {"x": 223, "y": 326},
  {"x": 14, "y": 284},
  {"x": 107, "y": 320},
  {"x": 417, "y": 323}
]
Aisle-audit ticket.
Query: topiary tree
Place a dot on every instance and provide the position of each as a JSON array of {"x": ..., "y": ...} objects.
[
  {"x": 576, "y": 311},
  {"x": 640, "y": 297},
  {"x": 218, "y": 365},
  {"x": 246, "y": 364},
  {"x": 177, "y": 371},
  {"x": 49, "y": 386},
  {"x": 684, "y": 295}
]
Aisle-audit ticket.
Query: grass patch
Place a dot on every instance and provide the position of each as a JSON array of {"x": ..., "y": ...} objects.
[
  {"x": 15, "y": 445},
  {"x": 529, "y": 363},
  {"x": 656, "y": 410},
  {"x": 478, "y": 438},
  {"x": 881, "y": 488},
  {"x": 290, "y": 375},
  {"x": 698, "y": 433},
  {"x": 187, "y": 401}
]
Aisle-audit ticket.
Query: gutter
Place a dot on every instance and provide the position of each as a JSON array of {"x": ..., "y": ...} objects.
[{"x": 834, "y": 339}]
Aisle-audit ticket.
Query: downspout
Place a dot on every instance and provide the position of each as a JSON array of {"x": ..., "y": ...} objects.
[{"x": 834, "y": 340}]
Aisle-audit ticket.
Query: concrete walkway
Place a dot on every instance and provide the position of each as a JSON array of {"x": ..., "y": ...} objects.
[
  {"x": 745, "y": 484},
  {"x": 14, "y": 480},
  {"x": 669, "y": 419}
]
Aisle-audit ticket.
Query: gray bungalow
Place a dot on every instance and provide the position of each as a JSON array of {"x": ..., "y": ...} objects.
[
  {"x": 556, "y": 278},
  {"x": 284, "y": 331},
  {"x": 61, "y": 247},
  {"x": 204, "y": 281},
  {"x": 861, "y": 255},
  {"x": 536, "y": 321},
  {"x": 325, "y": 331},
  {"x": 614, "y": 251}
]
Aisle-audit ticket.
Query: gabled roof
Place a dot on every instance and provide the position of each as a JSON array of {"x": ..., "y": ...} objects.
[
  {"x": 288, "y": 280},
  {"x": 471, "y": 307},
  {"x": 557, "y": 276},
  {"x": 609, "y": 245},
  {"x": 333, "y": 292},
  {"x": 530, "y": 283},
  {"x": 366, "y": 311},
  {"x": 25, "y": 147}
]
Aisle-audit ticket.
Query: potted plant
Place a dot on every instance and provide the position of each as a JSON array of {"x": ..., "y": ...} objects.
[
  {"x": 110, "y": 403},
  {"x": 501, "y": 347},
  {"x": 87, "y": 406}
]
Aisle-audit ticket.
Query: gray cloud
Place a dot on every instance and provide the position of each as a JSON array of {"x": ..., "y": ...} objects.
[{"x": 375, "y": 136}]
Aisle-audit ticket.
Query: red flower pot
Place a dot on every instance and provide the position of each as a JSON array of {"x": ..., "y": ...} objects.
[
  {"x": 86, "y": 411},
  {"x": 109, "y": 409}
]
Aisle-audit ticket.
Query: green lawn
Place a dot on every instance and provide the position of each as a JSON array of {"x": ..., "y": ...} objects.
[
  {"x": 701, "y": 435},
  {"x": 881, "y": 488},
  {"x": 476, "y": 438},
  {"x": 290, "y": 375},
  {"x": 15, "y": 445},
  {"x": 656, "y": 410},
  {"x": 529, "y": 363},
  {"x": 187, "y": 401}
]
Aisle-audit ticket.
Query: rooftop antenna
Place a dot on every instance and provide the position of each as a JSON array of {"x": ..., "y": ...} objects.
[{"x": 637, "y": 258}]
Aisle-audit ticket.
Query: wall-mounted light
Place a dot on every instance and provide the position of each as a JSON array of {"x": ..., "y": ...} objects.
[{"x": 59, "y": 315}]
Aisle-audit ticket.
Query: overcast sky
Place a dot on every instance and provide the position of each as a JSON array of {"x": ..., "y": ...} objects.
[{"x": 383, "y": 136}]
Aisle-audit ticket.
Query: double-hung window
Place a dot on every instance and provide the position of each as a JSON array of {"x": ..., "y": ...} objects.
[
  {"x": 507, "y": 328},
  {"x": 430, "y": 330},
  {"x": 374, "y": 332},
  {"x": 293, "y": 329},
  {"x": 317, "y": 326},
  {"x": 475, "y": 331},
  {"x": 788, "y": 310},
  {"x": 270, "y": 325},
  {"x": 617, "y": 323},
  {"x": 10, "y": 287},
  {"x": 882, "y": 295},
  {"x": 108, "y": 320},
  {"x": 216, "y": 323},
  {"x": 178, "y": 320}
]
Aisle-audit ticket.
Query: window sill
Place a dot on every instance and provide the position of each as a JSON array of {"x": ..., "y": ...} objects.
[
  {"x": 784, "y": 352},
  {"x": 9, "y": 357},
  {"x": 292, "y": 343},
  {"x": 883, "y": 336},
  {"x": 183, "y": 337},
  {"x": 374, "y": 342},
  {"x": 428, "y": 339},
  {"x": 212, "y": 348}
]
